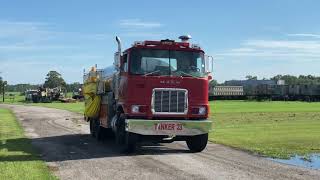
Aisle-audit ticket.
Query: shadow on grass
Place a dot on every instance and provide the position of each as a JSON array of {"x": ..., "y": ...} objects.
[{"x": 75, "y": 147}]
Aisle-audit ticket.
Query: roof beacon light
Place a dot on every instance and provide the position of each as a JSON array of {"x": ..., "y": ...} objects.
[
  {"x": 185, "y": 38},
  {"x": 138, "y": 43}
]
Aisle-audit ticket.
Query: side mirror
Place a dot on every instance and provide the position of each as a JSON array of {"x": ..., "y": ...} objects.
[{"x": 209, "y": 64}]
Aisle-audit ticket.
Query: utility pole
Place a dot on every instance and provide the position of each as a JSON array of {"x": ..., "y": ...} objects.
[
  {"x": 3, "y": 92},
  {"x": 4, "y": 83}
]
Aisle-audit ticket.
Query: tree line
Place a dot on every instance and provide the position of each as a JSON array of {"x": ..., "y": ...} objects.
[
  {"x": 292, "y": 80},
  {"x": 23, "y": 87},
  {"x": 289, "y": 79},
  {"x": 298, "y": 80},
  {"x": 53, "y": 79}
]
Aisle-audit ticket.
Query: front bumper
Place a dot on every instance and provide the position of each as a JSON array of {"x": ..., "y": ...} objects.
[{"x": 168, "y": 127}]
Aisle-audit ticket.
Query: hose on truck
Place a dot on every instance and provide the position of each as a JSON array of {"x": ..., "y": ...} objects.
[{"x": 92, "y": 100}]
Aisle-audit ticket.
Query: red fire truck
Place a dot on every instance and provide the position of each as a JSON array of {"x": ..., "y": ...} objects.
[{"x": 158, "y": 92}]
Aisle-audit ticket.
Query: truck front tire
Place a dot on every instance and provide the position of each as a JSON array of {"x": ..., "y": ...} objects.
[
  {"x": 126, "y": 140},
  {"x": 197, "y": 143},
  {"x": 130, "y": 142}
]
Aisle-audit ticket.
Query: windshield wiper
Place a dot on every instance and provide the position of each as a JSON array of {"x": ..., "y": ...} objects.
[
  {"x": 152, "y": 72},
  {"x": 186, "y": 74}
]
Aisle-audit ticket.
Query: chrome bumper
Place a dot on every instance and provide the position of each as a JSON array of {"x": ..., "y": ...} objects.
[{"x": 168, "y": 127}]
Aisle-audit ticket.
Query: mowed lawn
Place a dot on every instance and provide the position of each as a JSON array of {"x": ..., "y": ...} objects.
[
  {"x": 18, "y": 160},
  {"x": 77, "y": 107},
  {"x": 271, "y": 128},
  {"x": 20, "y": 100},
  {"x": 274, "y": 129}
]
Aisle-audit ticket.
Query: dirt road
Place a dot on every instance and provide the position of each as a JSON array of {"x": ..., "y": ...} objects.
[{"x": 64, "y": 142}]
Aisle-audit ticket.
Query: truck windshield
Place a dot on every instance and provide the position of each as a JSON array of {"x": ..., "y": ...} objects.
[{"x": 152, "y": 62}]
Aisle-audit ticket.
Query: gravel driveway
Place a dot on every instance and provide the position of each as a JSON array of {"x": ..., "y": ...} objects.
[{"x": 63, "y": 141}]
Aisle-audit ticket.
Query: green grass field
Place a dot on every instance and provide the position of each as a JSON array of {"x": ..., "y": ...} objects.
[
  {"x": 274, "y": 129},
  {"x": 12, "y": 97},
  {"x": 19, "y": 99},
  {"x": 263, "y": 106},
  {"x": 77, "y": 107},
  {"x": 271, "y": 128},
  {"x": 18, "y": 160}
]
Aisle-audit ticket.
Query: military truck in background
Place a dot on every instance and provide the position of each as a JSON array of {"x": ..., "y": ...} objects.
[{"x": 43, "y": 95}]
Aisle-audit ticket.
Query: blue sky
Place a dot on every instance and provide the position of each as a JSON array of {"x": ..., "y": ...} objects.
[{"x": 262, "y": 38}]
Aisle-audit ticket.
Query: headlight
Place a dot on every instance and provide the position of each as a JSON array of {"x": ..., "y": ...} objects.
[
  {"x": 135, "y": 109},
  {"x": 202, "y": 110}
]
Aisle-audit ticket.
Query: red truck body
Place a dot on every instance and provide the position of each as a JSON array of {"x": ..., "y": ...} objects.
[{"x": 160, "y": 91}]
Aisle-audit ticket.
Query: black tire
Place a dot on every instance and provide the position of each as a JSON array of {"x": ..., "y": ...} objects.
[
  {"x": 98, "y": 130},
  {"x": 108, "y": 133},
  {"x": 92, "y": 127},
  {"x": 131, "y": 140},
  {"x": 126, "y": 141},
  {"x": 120, "y": 130},
  {"x": 197, "y": 143}
]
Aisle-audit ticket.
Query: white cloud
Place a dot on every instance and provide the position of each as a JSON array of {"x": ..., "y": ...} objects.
[
  {"x": 283, "y": 44},
  {"x": 138, "y": 23},
  {"x": 31, "y": 33},
  {"x": 288, "y": 50},
  {"x": 30, "y": 49},
  {"x": 19, "y": 28},
  {"x": 243, "y": 50},
  {"x": 152, "y": 35},
  {"x": 18, "y": 38},
  {"x": 138, "y": 28},
  {"x": 304, "y": 35}
]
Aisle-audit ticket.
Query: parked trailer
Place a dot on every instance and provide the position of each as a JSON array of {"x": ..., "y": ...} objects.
[
  {"x": 158, "y": 92},
  {"x": 226, "y": 92}
]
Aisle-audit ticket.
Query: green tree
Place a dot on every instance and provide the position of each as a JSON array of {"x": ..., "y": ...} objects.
[
  {"x": 21, "y": 87},
  {"x": 54, "y": 79},
  {"x": 73, "y": 87},
  {"x": 2, "y": 84},
  {"x": 213, "y": 82},
  {"x": 300, "y": 80},
  {"x": 249, "y": 77}
]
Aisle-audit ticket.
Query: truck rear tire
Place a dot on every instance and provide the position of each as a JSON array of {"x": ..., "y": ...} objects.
[
  {"x": 197, "y": 143},
  {"x": 96, "y": 130},
  {"x": 92, "y": 127}
]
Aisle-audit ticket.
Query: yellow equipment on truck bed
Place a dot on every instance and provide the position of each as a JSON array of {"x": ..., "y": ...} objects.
[
  {"x": 90, "y": 92},
  {"x": 94, "y": 85}
]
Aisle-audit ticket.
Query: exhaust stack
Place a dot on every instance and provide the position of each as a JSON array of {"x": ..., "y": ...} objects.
[
  {"x": 119, "y": 44},
  {"x": 117, "y": 55}
]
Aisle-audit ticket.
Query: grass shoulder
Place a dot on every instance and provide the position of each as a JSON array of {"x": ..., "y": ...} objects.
[
  {"x": 273, "y": 134},
  {"x": 18, "y": 159}
]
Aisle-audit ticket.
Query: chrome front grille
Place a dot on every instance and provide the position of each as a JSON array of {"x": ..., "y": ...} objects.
[{"x": 169, "y": 101}]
